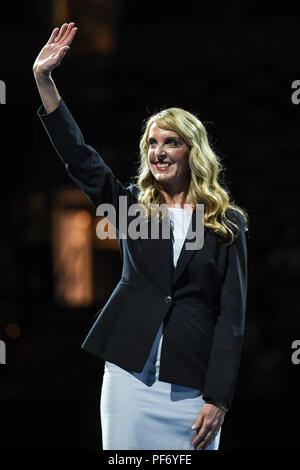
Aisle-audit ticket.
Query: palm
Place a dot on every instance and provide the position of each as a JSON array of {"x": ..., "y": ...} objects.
[{"x": 52, "y": 53}]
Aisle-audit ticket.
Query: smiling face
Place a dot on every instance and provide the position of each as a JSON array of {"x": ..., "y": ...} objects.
[{"x": 166, "y": 146}]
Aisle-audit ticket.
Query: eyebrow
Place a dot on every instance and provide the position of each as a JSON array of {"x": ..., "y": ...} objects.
[{"x": 166, "y": 138}]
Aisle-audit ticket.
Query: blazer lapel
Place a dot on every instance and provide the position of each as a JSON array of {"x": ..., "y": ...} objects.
[
  {"x": 158, "y": 256},
  {"x": 187, "y": 254}
]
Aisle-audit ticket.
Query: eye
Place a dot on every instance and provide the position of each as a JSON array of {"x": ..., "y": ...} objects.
[
  {"x": 170, "y": 141},
  {"x": 173, "y": 142}
]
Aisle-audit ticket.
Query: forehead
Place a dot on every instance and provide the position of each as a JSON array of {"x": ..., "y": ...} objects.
[{"x": 156, "y": 131}]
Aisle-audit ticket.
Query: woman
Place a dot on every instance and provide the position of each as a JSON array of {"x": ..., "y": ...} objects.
[{"x": 171, "y": 332}]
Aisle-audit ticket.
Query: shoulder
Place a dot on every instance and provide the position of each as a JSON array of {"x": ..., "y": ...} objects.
[
  {"x": 237, "y": 220},
  {"x": 236, "y": 216},
  {"x": 133, "y": 188}
]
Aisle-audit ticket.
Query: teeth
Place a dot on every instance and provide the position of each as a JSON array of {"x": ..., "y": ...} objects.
[{"x": 163, "y": 164}]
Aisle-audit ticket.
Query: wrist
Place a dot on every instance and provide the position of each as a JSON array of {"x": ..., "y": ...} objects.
[
  {"x": 42, "y": 77},
  {"x": 217, "y": 403}
]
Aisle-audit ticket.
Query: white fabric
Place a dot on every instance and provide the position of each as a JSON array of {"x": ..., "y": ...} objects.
[{"x": 180, "y": 221}]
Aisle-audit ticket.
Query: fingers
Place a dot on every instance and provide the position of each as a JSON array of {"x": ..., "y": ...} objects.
[
  {"x": 199, "y": 421},
  {"x": 208, "y": 423},
  {"x": 63, "y": 50},
  {"x": 66, "y": 41},
  {"x": 66, "y": 33},
  {"x": 207, "y": 440},
  {"x": 60, "y": 54},
  {"x": 61, "y": 33},
  {"x": 53, "y": 34},
  {"x": 204, "y": 438}
]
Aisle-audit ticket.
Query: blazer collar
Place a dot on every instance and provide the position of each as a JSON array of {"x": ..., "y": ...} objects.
[{"x": 158, "y": 256}]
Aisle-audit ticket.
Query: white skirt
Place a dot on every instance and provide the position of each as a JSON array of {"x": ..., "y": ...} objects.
[{"x": 139, "y": 411}]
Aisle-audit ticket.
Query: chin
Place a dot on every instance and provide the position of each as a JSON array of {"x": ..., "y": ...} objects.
[{"x": 159, "y": 176}]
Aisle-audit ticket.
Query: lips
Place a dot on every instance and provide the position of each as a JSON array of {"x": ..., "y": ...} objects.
[{"x": 164, "y": 167}]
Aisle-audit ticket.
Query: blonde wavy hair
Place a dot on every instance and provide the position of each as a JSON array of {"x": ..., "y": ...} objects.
[{"x": 205, "y": 171}]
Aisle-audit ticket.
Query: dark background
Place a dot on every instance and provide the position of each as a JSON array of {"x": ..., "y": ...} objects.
[{"x": 231, "y": 63}]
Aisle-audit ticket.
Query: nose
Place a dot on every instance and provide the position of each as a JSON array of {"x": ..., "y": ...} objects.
[{"x": 160, "y": 153}]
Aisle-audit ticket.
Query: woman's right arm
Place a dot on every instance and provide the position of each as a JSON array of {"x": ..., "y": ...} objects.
[
  {"x": 48, "y": 59},
  {"x": 82, "y": 162},
  {"x": 48, "y": 92}
]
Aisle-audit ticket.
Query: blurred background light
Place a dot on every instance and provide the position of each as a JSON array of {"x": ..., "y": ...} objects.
[
  {"x": 13, "y": 330},
  {"x": 98, "y": 23},
  {"x": 72, "y": 251}
]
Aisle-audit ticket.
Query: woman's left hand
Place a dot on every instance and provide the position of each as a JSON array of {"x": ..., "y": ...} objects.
[{"x": 209, "y": 422}]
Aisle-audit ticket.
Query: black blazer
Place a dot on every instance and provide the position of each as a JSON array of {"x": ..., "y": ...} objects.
[{"x": 202, "y": 301}]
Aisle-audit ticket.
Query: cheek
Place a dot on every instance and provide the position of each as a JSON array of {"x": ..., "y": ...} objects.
[
  {"x": 150, "y": 162},
  {"x": 181, "y": 160},
  {"x": 151, "y": 156},
  {"x": 184, "y": 166}
]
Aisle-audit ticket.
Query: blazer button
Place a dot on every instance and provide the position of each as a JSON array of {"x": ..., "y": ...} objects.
[{"x": 168, "y": 299}]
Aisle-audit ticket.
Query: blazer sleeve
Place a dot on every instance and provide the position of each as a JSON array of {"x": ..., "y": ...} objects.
[
  {"x": 227, "y": 342},
  {"x": 82, "y": 162}
]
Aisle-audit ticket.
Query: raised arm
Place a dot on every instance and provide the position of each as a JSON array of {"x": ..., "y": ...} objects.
[
  {"x": 48, "y": 59},
  {"x": 82, "y": 162}
]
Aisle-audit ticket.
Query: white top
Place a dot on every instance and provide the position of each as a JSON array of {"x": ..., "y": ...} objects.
[{"x": 180, "y": 220}]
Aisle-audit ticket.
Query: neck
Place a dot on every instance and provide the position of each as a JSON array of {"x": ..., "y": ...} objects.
[{"x": 176, "y": 198}]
